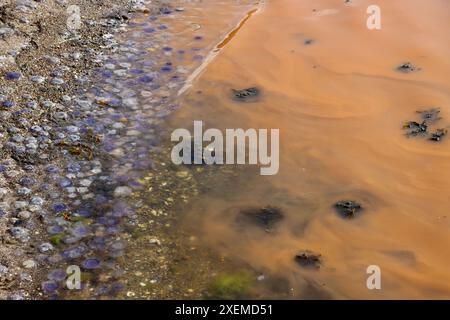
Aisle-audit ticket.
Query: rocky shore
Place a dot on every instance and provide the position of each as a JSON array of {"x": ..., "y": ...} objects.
[{"x": 50, "y": 156}]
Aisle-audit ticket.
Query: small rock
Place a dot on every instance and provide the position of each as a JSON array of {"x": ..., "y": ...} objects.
[
  {"x": 3, "y": 270},
  {"x": 24, "y": 215},
  {"x": 20, "y": 233},
  {"x": 122, "y": 191},
  {"x": 29, "y": 264},
  {"x": 266, "y": 217}
]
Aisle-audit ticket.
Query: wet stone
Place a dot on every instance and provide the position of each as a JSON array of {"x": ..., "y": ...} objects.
[
  {"x": 416, "y": 128},
  {"x": 37, "y": 79},
  {"x": 25, "y": 277},
  {"x": 348, "y": 208},
  {"x": 122, "y": 191},
  {"x": 24, "y": 215},
  {"x": 246, "y": 94},
  {"x": 45, "y": 247},
  {"x": 57, "y": 81},
  {"x": 3, "y": 270},
  {"x": 308, "y": 259},
  {"x": 29, "y": 264}
]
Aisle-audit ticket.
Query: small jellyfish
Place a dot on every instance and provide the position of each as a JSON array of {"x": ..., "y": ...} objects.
[
  {"x": 91, "y": 263},
  {"x": 57, "y": 275},
  {"x": 49, "y": 286},
  {"x": 59, "y": 207},
  {"x": 12, "y": 75}
]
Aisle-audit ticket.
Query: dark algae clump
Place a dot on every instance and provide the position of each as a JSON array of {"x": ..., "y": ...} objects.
[
  {"x": 248, "y": 94},
  {"x": 407, "y": 67},
  {"x": 438, "y": 135},
  {"x": 348, "y": 208},
  {"x": 428, "y": 117}
]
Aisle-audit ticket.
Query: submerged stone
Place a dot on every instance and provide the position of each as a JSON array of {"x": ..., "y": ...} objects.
[
  {"x": 347, "y": 208},
  {"x": 308, "y": 259},
  {"x": 265, "y": 217}
]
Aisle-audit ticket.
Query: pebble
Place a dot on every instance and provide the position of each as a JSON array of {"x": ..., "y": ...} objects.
[
  {"x": 3, "y": 270},
  {"x": 24, "y": 215},
  {"x": 20, "y": 233},
  {"x": 155, "y": 241},
  {"x": 37, "y": 79},
  {"x": 122, "y": 191},
  {"x": 3, "y": 192},
  {"x": 29, "y": 264},
  {"x": 57, "y": 81},
  {"x": 45, "y": 247}
]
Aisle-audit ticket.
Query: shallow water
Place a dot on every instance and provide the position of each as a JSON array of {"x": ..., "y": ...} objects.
[{"x": 340, "y": 105}]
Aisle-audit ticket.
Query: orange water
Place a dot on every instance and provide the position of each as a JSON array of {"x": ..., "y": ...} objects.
[{"x": 340, "y": 105}]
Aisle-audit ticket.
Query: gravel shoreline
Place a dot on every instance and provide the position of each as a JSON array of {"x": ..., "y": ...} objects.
[{"x": 43, "y": 65}]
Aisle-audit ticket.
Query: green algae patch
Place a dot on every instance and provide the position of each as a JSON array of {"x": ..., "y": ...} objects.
[
  {"x": 231, "y": 285},
  {"x": 56, "y": 239}
]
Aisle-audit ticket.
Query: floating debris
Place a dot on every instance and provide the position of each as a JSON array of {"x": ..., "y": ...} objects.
[
  {"x": 438, "y": 135},
  {"x": 407, "y": 68},
  {"x": 430, "y": 115},
  {"x": 246, "y": 94},
  {"x": 416, "y": 128},
  {"x": 348, "y": 208}
]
